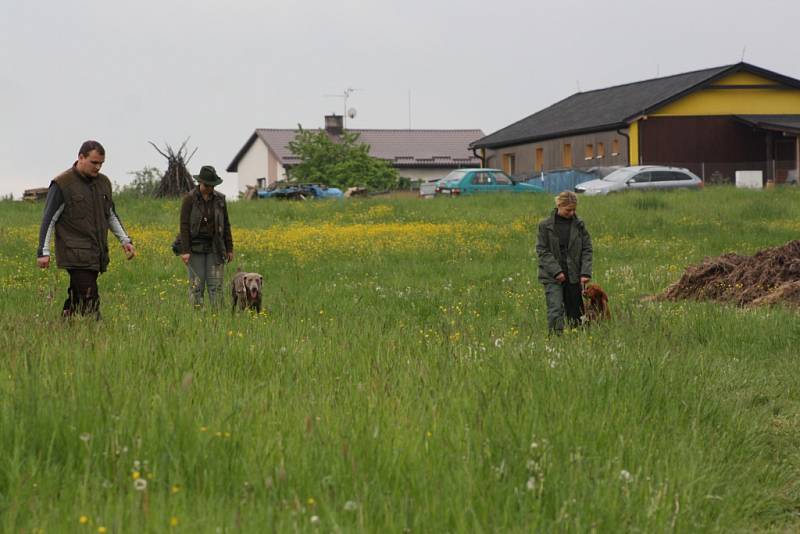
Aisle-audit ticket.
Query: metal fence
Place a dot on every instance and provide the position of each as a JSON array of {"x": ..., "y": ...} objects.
[
  {"x": 713, "y": 173},
  {"x": 557, "y": 181}
]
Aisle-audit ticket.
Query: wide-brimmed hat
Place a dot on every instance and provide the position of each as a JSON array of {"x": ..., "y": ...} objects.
[{"x": 208, "y": 175}]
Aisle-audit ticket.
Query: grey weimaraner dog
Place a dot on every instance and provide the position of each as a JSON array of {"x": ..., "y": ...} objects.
[{"x": 246, "y": 291}]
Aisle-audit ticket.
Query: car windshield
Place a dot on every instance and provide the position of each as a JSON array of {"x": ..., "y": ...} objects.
[
  {"x": 620, "y": 175},
  {"x": 454, "y": 175}
]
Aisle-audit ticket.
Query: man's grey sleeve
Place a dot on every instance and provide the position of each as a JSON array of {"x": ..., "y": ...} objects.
[
  {"x": 53, "y": 207},
  {"x": 116, "y": 227}
]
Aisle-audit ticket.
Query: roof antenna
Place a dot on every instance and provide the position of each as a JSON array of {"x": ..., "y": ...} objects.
[
  {"x": 409, "y": 109},
  {"x": 345, "y": 95},
  {"x": 744, "y": 49},
  {"x": 578, "y": 85}
]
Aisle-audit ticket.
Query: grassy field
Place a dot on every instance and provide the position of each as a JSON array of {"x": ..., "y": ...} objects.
[{"x": 400, "y": 378}]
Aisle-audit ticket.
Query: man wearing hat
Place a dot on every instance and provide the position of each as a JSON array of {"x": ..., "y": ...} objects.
[
  {"x": 564, "y": 250},
  {"x": 206, "y": 243}
]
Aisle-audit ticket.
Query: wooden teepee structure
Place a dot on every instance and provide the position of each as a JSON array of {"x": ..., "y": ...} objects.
[{"x": 177, "y": 180}]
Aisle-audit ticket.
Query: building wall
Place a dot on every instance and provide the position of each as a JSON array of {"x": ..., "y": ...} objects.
[
  {"x": 552, "y": 151},
  {"x": 716, "y": 146},
  {"x": 422, "y": 175},
  {"x": 253, "y": 165},
  {"x": 698, "y": 139},
  {"x": 738, "y": 94},
  {"x": 773, "y": 100}
]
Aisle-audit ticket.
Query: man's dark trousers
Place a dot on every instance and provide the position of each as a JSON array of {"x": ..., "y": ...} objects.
[{"x": 82, "y": 293}]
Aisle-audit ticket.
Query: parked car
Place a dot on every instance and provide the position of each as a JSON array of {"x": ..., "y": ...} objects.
[
  {"x": 427, "y": 189},
  {"x": 468, "y": 181},
  {"x": 641, "y": 177},
  {"x": 286, "y": 190}
]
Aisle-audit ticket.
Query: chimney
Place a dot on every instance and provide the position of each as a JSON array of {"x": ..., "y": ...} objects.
[{"x": 334, "y": 124}]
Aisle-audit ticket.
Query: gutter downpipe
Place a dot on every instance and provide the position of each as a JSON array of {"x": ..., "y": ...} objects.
[
  {"x": 482, "y": 157},
  {"x": 628, "y": 139}
]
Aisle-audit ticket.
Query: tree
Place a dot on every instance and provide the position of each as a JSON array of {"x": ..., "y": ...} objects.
[
  {"x": 342, "y": 163},
  {"x": 144, "y": 184}
]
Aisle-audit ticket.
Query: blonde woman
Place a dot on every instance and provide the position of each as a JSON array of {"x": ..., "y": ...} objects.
[{"x": 564, "y": 251}]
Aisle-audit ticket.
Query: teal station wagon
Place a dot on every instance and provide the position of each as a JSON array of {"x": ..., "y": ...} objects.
[{"x": 468, "y": 181}]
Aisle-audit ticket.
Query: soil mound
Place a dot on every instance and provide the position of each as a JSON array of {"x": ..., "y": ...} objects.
[{"x": 770, "y": 276}]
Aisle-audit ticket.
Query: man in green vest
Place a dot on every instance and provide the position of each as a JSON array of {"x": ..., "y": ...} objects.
[{"x": 80, "y": 212}]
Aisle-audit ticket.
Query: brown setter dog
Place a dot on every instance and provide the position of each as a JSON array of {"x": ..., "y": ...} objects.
[{"x": 596, "y": 305}]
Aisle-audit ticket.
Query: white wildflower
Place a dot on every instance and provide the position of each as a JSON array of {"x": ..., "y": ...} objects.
[
  {"x": 625, "y": 476},
  {"x": 315, "y": 520},
  {"x": 351, "y": 506},
  {"x": 140, "y": 484},
  {"x": 531, "y": 484},
  {"x": 85, "y": 436}
]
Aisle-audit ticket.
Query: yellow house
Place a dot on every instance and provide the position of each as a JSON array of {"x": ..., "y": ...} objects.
[{"x": 712, "y": 121}]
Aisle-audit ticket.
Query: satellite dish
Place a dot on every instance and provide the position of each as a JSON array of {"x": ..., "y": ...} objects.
[{"x": 351, "y": 113}]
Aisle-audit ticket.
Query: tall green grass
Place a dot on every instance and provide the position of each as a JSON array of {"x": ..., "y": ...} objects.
[{"x": 409, "y": 389}]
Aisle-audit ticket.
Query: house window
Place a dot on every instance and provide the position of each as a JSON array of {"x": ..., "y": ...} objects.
[
  {"x": 588, "y": 152},
  {"x": 538, "y": 164},
  {"x": 509, "y": 163},
  {"x": 615, "y": 147},
  {"x": 601, "y": 151},
  {"x": 566, "y": 156},
  {"x": 261, "y": 183}
]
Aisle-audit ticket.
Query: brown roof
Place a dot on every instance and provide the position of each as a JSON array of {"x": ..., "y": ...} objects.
[{"x": 403, "y": 148}]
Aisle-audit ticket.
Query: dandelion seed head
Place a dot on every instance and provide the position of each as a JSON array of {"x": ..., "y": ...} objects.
[
  {"x": 140, "y": 484},
  {"x": 351, "y": 506},
  {"x": 531, "y": 484},
  {"x": 85, "y": 437},
  {"x": 315, "y": 520},
  {"x": 625, "y": 476}
]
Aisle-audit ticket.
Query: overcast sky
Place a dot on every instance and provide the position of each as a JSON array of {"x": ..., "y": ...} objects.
[{"x": 126, "y": 73}]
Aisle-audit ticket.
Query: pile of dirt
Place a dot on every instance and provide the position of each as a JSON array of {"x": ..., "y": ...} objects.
[{"x": 770, "y": 276}]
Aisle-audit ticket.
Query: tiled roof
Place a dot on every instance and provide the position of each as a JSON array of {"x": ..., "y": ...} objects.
[
  {"x": 403, "y": 148},
  {"x": 613, "y": 107}
]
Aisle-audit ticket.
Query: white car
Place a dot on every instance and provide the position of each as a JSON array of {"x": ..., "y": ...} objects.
[{"x": 641, "y": 177}]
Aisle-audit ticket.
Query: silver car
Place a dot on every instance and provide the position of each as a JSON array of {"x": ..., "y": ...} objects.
[{"x": 641, "y": 177}]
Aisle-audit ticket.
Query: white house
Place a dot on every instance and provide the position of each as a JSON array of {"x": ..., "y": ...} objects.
[{"x": 417, "y": 154}]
